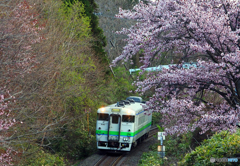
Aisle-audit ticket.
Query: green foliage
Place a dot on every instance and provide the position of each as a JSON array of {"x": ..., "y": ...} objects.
[
  {"x": 150, "y": 158},
  {"x": 35, "y": 156},
  {"x": 76, "y": 142},
  {"x": 176, "y": 148},
  {"x": 77, "y": 139},
  {"x": 80, "y": 85},
  {"x": 140, "y": 76},
  {"x": 161, "y": 129},
  {"x": 77, "y": 24},
  {"x": 75, "y": 85},
  {"x": 100, "y": 40},
  {"x": 76, "y": 63},
  {"x": 118, "y": 88},
  {"x": 223, "y": 144},
  {"x": 156, "y": 116}
]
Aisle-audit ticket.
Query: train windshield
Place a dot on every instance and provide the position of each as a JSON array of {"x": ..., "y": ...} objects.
[
  {"x": 128, "y": 118},
  {"x": 101, "y": 116},
  {"x": 115, "y": 119}
]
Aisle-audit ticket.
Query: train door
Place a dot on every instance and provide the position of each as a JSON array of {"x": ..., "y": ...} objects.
[{"x": 114, "y": 129}]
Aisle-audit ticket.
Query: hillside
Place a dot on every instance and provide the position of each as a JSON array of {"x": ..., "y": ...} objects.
[
  {"x": 54, "y": 76},
  {"x": 107, "y": 9}
]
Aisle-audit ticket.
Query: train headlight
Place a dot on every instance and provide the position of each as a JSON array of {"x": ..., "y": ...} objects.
[
  {"x": 102, "y": 109},
  {"x": 125, "y": 139},
  {"x": 129, "y": 111}
]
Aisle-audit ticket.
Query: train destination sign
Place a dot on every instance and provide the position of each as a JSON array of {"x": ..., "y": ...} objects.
[{"x": 115, "y": 110}]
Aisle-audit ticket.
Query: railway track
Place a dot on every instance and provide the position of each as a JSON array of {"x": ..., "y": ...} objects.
[
  {"x": 152, "y": 132},
  {"x": 99, "y": 162},
  {"x": 109, "y": 160},
  {"x": 114, "y": 160}
]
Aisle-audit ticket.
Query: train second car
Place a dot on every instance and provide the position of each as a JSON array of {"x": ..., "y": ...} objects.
[{"x": 122, "y": 125}]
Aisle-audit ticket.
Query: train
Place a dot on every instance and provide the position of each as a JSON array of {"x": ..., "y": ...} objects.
[{"x": 122, "y": 125}]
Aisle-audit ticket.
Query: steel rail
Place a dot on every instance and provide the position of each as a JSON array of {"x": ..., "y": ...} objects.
[
  {"x": 118, "y": 160},
  {"x": 100, "y": 161}
]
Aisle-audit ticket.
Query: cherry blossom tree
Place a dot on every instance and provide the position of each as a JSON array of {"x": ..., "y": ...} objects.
[
  {"x": 19, "y": 32},
  {"x": 205, "y": 30},
  {"x": 5, "y": 124}
]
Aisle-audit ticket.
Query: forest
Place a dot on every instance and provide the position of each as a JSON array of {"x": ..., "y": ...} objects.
[{"x": 54, "y": 73}]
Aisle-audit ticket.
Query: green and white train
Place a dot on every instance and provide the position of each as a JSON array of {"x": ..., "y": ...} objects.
[{"x": 122, "y": 125}]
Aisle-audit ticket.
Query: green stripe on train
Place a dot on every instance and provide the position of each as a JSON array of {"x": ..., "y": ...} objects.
[{"x": 124, "y": 133}]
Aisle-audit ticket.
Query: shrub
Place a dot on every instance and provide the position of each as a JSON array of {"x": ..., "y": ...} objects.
[
  {"x": 176, "y": 148},
  {"x": 150, "y": 158},
  {"x": 35, "y": 156},
  {"x": 117, "y": 88},
  {"x": 75, "y": 142},
  {"x": 223, "y": 144}
]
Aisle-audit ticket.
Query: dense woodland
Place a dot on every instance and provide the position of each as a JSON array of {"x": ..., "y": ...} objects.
[{"x": 54, "y": 76}]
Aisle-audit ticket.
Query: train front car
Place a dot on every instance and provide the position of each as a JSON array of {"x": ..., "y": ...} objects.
[
  {"x": 118, "y": 127},
  {"x": 102, "y": 128}
]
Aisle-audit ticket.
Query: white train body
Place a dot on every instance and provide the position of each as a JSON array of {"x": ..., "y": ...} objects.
[{"x": 119, "y": 126}]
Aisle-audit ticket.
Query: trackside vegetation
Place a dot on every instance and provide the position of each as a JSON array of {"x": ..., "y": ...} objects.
[
  {"x": 220, "y": 145},
  {"x": 184, "y": 150}
]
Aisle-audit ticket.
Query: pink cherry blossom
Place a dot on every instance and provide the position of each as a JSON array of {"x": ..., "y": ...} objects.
[
  {"x": 19, "y": 31},
  {"x": 190, "y": 28}
]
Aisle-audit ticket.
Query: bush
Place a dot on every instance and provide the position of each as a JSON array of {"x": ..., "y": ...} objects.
[
  {"x": 117, "y": 88},
  {"x": 75, "y": 143},
  {"x": 223, "y": 144},
  {"x": 150, "y": 158},
  {"x": 176, "y": 148},
  {"x": 35, "y": 156}
]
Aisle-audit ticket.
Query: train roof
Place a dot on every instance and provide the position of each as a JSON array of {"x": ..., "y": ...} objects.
[{"x": 133, "y": 108}]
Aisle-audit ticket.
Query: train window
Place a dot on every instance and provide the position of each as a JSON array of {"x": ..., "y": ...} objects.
[
  {"x": 115, "y": 119},
  {"x": 128, "y": 118},
  {"x": 101, "y": 116},
  {"x": 141, "y": 120}
]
